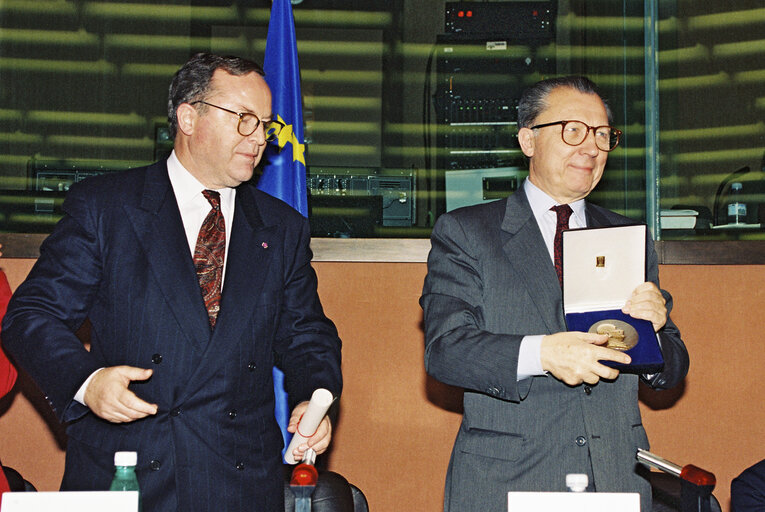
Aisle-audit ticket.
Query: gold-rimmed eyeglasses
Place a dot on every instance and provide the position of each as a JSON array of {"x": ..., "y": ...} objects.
[
  {"x": 574, "y": 133},
  {"x": 248, "y": 122}
]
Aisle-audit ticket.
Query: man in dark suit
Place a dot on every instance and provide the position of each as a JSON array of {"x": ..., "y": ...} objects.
[
  {"x": 539, "y": 402},
  {"x": 177, "y": 370},
  {"x": 747, "y": 490}
]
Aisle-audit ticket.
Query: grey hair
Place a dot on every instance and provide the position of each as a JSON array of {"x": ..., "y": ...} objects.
[{"x": 534, "y": 99}]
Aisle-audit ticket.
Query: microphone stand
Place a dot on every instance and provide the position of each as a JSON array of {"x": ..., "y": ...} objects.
[
  {"x": 716, "y": 206},
  {"x": 303, "y": 481},
  {"x": 696, "y": 484}
]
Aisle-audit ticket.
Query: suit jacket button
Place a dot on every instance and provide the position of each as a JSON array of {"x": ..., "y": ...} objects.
[
  {"x": 232, "y": 413},
  {"x": 252, "y": 367},
  {"x": 581, "y": 441},
  {"x": 156, "y": 358},
  {"x": 587, "y": 390},
  {"x": 240, "y": 465},
  {"x": 175, "y": 412},
  {"x": 155, "y": 465}
]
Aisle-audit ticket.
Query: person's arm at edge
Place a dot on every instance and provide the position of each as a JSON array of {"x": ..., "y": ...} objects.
[{"x": 8, "y": 372}]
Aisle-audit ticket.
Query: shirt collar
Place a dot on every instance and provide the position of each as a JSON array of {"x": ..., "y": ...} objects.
[
  {"x": 186, "y": 187},
  {"x": 541, "y": 203}
]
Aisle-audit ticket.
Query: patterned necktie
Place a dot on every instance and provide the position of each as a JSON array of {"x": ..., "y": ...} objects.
[
  {"x": 563, "y": 211},
  {"x": 209, "y": 254}
]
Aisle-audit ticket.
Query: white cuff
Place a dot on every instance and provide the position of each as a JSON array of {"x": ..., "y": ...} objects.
[
  {"x": 530, "y": 357},
  {"x": 80, "y": 395}
]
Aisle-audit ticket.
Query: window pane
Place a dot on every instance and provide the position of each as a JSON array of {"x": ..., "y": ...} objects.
[
  {"x": 712, "y": 89},
  {"x": 409, "y": 105}
]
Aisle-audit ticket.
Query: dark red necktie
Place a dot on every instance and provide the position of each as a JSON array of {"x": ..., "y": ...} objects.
[
  {"x": 209, "y": 254},
  {"x": 563, "y": 211}
]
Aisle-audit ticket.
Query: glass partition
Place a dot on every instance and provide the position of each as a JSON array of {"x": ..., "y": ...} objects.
[
  {"x": 712, "y": 100},
  {"x": 409, "y": 105}
]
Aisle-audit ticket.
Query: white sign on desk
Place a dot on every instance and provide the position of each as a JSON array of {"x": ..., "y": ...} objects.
[
  {"x": 572, "y": 502},
  {"x": 70, "y": 501}
]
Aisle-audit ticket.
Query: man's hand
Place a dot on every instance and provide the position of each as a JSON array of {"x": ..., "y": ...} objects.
[
  {"x": 319, "y": 441},
  {"x": 108, "y": 396},
  {"x": 647, "y": 303},
  {"x": 573, "y": 357}
]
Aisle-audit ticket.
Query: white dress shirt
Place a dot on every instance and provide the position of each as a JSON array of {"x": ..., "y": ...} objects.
[{"x": 194, "y": 207}]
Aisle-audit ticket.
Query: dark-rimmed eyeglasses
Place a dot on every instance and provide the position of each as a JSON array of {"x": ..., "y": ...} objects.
[
  {"x": 248, "y": 122},
  {"x": 574, "y": 133}
]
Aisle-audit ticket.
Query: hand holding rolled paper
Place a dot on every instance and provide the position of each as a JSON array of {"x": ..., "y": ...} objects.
[{"x": 309, "y": 422}]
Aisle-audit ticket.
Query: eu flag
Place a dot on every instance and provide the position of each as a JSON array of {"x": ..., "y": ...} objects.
[{"x": 284, "y": 173}]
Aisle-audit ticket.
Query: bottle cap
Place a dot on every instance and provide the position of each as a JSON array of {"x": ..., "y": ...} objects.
[
  {"x": 125, "y": 458},
  {"x": 577, "y": 482}
]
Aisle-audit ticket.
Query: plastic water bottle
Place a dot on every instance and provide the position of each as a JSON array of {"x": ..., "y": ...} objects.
[
  {"x": 736, "y": 208},
  {"x": 125, "y": 478},
  {"x": 577, "y": 482}
]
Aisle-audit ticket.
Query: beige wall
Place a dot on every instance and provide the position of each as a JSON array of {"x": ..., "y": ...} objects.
[{"x": 396, "y": 425}]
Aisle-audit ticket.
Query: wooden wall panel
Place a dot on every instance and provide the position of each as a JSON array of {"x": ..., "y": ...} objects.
[
  {"x": 396, "y": 426},
  {"x": 716, "y": 420},
  {"x": 31, "y": 439}
]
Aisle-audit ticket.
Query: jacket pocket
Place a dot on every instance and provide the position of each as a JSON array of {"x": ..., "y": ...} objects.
[{"x": 492, "y": 444}]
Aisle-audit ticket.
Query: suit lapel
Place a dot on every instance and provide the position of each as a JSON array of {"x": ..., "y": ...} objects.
[
  {"x": 250, "y": 253},
  {"x": 526, "y": 251},
  {"x": 594, "y": 218},
  {"x": 158, "y": 225}
]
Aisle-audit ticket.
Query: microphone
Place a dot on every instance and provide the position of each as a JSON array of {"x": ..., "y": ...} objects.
[
  {"x": 716, "y": 207},
  {"x": 303, "y": 482},
  {"x": 696, "y": 484}
]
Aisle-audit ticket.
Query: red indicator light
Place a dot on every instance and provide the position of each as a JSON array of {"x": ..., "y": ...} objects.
[
  {"x": 535, "y": 13},
  {"x": 304, "y": 475},
  {"x": 470, "y": 14},
  {"x": 460, "y": 14}
]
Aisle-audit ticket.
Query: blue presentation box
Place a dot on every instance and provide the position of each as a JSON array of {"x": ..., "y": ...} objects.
[{"x": 601, "y": 268}]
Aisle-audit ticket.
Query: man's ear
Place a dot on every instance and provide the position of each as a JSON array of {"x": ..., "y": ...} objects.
[
  {"x": 526, "y": 140},
  {"x": 187, "y": 117}
]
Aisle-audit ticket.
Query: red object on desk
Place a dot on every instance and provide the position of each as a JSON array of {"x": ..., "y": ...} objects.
[{"x": 697, "y": 476}]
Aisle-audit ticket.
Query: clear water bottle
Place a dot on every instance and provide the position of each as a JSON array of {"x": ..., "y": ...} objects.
[
  {"x": 736, "y": 207},
  {"x": 577, "y": 482},
  {"x": 125, "y": 478}
]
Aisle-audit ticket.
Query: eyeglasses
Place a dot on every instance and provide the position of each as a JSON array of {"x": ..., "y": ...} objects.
[
  {"x": 574, "y": 133},
  {"x": 248, "y": 123}
]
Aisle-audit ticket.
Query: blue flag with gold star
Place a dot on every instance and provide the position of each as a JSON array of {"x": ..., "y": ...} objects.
[{"x": 284, "y": 173}]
